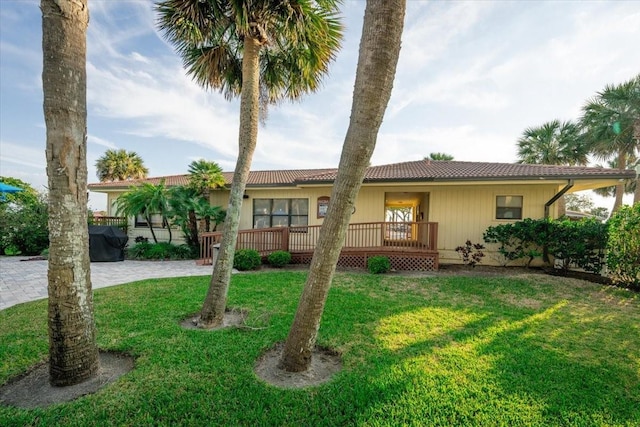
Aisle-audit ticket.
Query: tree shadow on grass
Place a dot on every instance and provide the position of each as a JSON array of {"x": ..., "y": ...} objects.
[
  {"x": 456, "y": 354},
  {"x": 493, "y": 370}
]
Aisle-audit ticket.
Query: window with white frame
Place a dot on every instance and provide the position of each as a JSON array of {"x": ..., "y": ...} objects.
[
  {"x": 280, "y": 212},
  {"x": 156, "y": 221},
  {"x": 508, "y": 207}
]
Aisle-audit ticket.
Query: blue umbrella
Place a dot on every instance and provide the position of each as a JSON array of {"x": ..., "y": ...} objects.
[{"x": 6, "y": 188}]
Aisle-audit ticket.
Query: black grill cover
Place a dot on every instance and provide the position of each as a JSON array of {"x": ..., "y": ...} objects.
[{"x": 106, "y": 243}]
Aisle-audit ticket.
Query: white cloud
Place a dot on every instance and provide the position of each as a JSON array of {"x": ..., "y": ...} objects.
[
  {"x": 431, "y": 28},
  {"x": 92, "y": 139},
  {"x": 21, "y": 155},
  {"x": 464, "y": 143}
]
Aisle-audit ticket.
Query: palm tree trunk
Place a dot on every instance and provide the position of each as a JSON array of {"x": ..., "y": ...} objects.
[
  {"x": 215, "y": 302},
  {"x": 622, "y": 165},
  {"x": 165, "y": 223},
  {"x": 194, "y": 240},
  {"x": 153, "y": 234},
  {"x": 379, "y": 51},
  {"x": 73, "y": 352}
]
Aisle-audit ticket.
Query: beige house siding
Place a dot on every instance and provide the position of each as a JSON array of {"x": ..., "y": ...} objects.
[{"x": 463, "y": 212}]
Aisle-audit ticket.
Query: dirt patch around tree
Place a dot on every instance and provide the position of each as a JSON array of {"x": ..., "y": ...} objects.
[
  {"x": 32, "y": 390},
  {"x": 325, "y": 363},
  {"x": 233, "y": 317}
]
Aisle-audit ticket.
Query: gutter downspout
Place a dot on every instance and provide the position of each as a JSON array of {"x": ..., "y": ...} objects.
[
  {"x": 556, "y": 197},
  {"x": 545, "y": 251}
]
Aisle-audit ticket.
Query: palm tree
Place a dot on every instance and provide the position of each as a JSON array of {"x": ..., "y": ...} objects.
[
  {"x": 146, "y": 200},
  {"x": 553, "y": 143},
  {"x": 379, "y": 52},
  {"x": 120, "y": 165},
  {"x": 439, "y": 156},
  {"x": 182, "y": 202},
  {"x": 73, "y": 352},
  {"x": 205, "y": 176},
  {"x": 263, "y": 51},
  {"x": 629, "y": 185},
  {"x": 612, "y": 125}
]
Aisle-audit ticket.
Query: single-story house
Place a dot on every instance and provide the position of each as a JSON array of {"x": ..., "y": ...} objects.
[{"x": 418, "y": 208}]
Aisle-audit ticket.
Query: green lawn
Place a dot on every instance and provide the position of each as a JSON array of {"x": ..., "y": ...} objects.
[{"x": 539, "y": 350}]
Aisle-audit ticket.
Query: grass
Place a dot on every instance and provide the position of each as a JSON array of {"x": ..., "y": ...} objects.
[{"x": 536, "y": 350}]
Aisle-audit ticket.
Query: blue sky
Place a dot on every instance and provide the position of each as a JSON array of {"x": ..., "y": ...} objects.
[{"x": 472, "y": 76}]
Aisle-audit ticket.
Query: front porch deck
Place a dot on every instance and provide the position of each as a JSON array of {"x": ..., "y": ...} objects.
[{"x": 409, "y": 245}]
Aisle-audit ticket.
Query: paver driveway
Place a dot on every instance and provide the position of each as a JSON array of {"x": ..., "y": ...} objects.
[{"x": 22, "y": 280}]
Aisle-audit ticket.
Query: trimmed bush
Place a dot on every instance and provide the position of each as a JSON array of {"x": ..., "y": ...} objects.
[
  {"x": 519, "y": 240},
  {"x": 246, "y": 259},
  {"x": 575, "y": 243},
  {"x": 378, "y": 264},
  {"x": 580, "y": 243},
  {"x": 279, "y": 259},
  {"x": 162, "y": 250},
  {"x": 623, "y": 248}
]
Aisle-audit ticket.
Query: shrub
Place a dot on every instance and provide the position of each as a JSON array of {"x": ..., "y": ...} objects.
[
  {"x": 24, "y": 229},
  {"x": 471, "y": 253},
  {"x": 578, "y": 243},
  {"x": 522, "y": 239},
  {"x": 246, "y": 259},
  {"x": 623, "y": 248},
  {"x": 162, "y": 250},
  {"x": 378, "y": 264},
  {"x": 181, "y": 252},
  {"x": 141, "y": 239},
  {"x": 279, "y": 259},
  {"x": 139, "y": 250},
  {"x": 581, "y": 243}
]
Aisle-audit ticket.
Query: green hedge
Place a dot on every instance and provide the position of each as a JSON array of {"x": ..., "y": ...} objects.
[
  {"x": 580, "y": 243},
  {"x": 623, "y": 249}
]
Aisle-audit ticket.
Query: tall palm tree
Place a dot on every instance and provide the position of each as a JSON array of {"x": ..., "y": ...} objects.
[
  {"x": 120, "y": 165},
  {"x": 629, "y": 185},
  {"x": 553, "y": 143},
  {"x": 612, "y": 125},
  {"x": 263, "y": 51},
  {"x": 73, "y": 352},
  {"x": 146, "y": 200},
  {"x": 379, "y": 52}
]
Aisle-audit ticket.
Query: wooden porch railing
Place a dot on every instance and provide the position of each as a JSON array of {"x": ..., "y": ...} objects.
[
  {"x": 390, "y": 236},
  {"x": 117, "y": 221}
]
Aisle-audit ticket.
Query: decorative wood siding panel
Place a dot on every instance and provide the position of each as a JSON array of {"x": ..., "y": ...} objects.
[
  {"x": 369, "y": 205},
  {"x": 464, "y": 213}
]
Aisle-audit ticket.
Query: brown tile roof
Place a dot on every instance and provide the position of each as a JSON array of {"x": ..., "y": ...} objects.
[
  {"x": 170, "y": 181},
  {"x": 272, "y": 178},
  {"x": 419, "y": 170},
  {"x": 434, "y": 170}
]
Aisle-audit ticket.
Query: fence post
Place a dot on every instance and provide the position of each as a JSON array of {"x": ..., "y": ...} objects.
[{"x": 285, "y": 239}]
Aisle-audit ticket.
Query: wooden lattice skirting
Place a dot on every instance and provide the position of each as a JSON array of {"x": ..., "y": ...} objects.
[{"x": 401, "y": 261}]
